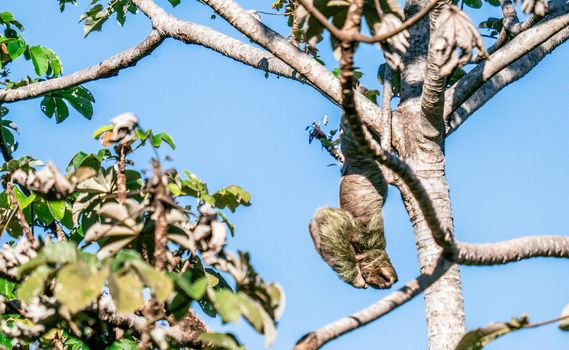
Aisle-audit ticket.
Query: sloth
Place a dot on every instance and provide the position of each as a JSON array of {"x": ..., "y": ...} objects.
[{"x": 351, "y": 238}]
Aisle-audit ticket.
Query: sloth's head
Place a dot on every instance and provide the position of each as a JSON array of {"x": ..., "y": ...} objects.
[{"x": 376, "y": 269}]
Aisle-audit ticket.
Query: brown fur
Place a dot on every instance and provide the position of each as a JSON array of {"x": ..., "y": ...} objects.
[{"x": 351, "y": 239}]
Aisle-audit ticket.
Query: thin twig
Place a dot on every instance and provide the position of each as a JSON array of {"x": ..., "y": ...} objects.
[
  {"x": 19, "y": 213},
  {"x": 543, "y": 323},
  {"x": 331, "y": 149},
  {"x": 161, "y": 230},
  {"x": 121, "y": 174},
  {"x": 316, "y": 339},
  {"x": 340, "y": 35}
]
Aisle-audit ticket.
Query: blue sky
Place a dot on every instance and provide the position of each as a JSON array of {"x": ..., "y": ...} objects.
[{"x": 507, "y": 169}]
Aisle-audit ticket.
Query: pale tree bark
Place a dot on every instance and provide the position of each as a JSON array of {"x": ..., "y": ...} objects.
[{"x": 418, "y": 136}]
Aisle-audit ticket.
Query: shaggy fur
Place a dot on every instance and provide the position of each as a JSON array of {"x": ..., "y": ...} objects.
[{"x": 351, "y": 239}]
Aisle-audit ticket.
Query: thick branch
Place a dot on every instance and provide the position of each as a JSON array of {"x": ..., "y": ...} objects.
[
  {"x": 318, "y": 338},
  {"x": 515, "y": 49},
  {"x": 109, "y": 67},
  {"x": 512, "y": 250},
  {"x": 505, "y": 77},
  {"x": 386, "y": 116},
  {"x": 312, "y": 70},
  {"x": 467, "y": 254},
  {"x": 192, "y": 33},
  {"x": 432, "y": 97}
]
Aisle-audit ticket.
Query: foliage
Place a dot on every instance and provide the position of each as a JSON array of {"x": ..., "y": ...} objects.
[
  {"x": 106, "y": 244},
  {"x": 83, "y": 206},
  {"x": 480, "y": 337}
]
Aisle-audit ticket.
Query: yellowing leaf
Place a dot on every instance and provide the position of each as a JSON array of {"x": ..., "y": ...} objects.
[
  {"x": 480, "y": 337},
  {"x": 126, "y": 291},
  {"x": 221, "y": 341},
  {"x": 160, "y": 284},
  {"x": 227, "y": 305},
  {"x": 77, "y": 286},
  {"x": 34, "y": 284}
]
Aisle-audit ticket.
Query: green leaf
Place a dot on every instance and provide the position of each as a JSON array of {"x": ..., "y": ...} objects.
[
  {"x": 84, "y": 93},
  {"x": 61, "y": 110},
  {"x": 480, "y": 337},
  {"x": 82, "y": 159},
  {"x": 231, "y": 197},
  {"x": 101, "y": 130},
  {"x": 16, "y": 48},
  {"x": 23, "y": 200},
  {"x": 158, "y": 138},
  {"x": 126, "y": 290},
  {"x": 168, "y": 139},
  {"x": 123, "y": 344},
  {"x": 42, "y": 212},
  {"x": 564, "y": 323},
  {"x": 7, "y": 288},
  {"x": 5, "y": 341},
  {"x": 34, "y": 284},
  {"x": 39, "y": 59},
  {"x": 476, "y": 4},
  {"x": 494, "y": 3},
  {"x": 174, "y": 2},
  {"x": 79, "y": 102},
  {"x": 54, "y": 61},
  {"x": 221, "y": 341},
  {"x": 57, "y": 209},
  {"x": 142, "y": 135},
  {"x": 72, "y": 343},
  {"x": 77, "y": 286},
  {"x": 195, "y": 289},
  {"x": 179, "y": 305},
  {"x": 47, "y": 106},
  {"x": 94, "y": 19},
  {"x": 207, "y": 307},
  {"x": 6, "y": 16}
]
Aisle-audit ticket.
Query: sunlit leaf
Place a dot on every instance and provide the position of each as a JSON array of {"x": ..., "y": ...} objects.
[
  {"x": 221, "y": 341},
  {"x": 126, "y": 290},
  {"x": 34, "y": 284},
  {"x": 77, "y": 286},
  {"x": 480, "y": 337}
]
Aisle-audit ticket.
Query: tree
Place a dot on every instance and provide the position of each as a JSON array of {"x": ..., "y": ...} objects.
[{"x": 435, "y": 97}]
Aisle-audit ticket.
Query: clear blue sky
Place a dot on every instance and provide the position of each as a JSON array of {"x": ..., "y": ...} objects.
[{"x": 507, "y": 169}]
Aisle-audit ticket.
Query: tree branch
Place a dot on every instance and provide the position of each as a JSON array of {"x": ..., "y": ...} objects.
[
  {"x": 109, "y": 67},
  {"x": 515, "y": 49},
  {"x": 478, "y": 254},
  {"x": 341, "y": 35},
  {"x": 505, "y": 77},
  {"x": 432, "y": 96},
  {"x": 315, "y": 73},
  {"x": 192, "y": 33},
  {"x": 318, "y": 338},
  {"x": 512, "y": 250}
]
